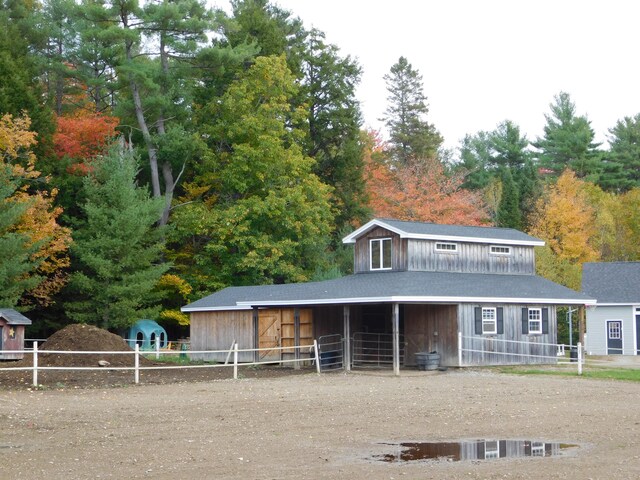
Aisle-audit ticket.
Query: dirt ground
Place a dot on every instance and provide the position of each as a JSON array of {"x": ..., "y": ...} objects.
[{"x": 318, "y": 427}]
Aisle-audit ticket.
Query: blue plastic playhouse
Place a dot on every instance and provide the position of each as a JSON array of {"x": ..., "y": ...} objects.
[{"x": 146, "y": 333}]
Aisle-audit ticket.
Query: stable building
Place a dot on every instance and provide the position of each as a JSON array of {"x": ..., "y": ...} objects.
[
  {"x": 469, "y": 293},
  {"x": 12, "y": 325},
  {"x": 613, "y": 326}
]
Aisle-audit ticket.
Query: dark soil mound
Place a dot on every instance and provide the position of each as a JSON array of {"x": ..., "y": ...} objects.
[{"x": 85, "y": 338}]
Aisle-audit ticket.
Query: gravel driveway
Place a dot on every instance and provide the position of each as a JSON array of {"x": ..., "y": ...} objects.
[{"x": 319, "y": 427}]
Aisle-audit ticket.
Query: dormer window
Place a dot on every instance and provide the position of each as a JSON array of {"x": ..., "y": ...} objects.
[
  {"x": 380, "y": 253},
  {"x": 446, "y": 247}
]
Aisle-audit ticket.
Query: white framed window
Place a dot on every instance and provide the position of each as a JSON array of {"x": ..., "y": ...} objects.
[
  {"x": 500, "y": 250},
  {"x": 537, "y": 449},
  {"x": 489, "y": 321},
  {"x": 615, "y": 330},
  {"x": 535, "y": 320},
  {"x": 446, "y": 247},
  {"x": 380, "y": 253}
]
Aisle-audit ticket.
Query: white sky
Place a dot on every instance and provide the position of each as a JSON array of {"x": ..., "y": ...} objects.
[{"x": 485, "y": 61}]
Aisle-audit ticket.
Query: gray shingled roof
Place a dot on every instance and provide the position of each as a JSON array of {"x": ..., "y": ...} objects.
[
  {"x": 455, "y": 232},
  {"x": 613, "y": 282},
  {"x": 13, "y": 317},
  {"x": 436, "y": 287}
]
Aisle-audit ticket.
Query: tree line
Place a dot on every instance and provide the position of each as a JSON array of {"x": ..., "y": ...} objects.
[{"x": 154, "y": 153}]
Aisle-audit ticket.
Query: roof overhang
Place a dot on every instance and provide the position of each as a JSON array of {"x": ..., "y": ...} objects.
[
  {"x": 351, "y": 238},
  {"x": 248, "y": 305}
]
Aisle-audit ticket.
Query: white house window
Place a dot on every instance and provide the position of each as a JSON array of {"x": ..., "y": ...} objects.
[
  {"x": 446, "y": 247},
  {"x": 380, "y": 254},
  {"x": 491, "y": 449},
  {"x": 614, "y": 330},
  {"x": 537, "y": 449},
  {"x": 535, "y": 320},
  {"x": 500, "y": 250},
  {"x": 489, "y": 324}
]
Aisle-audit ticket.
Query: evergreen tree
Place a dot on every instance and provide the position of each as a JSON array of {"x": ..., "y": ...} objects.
[
  {"x": 412, "y": 138},
  {"x": 622, "y": 163},
  {"x": 568, "y": 140},
  {"x": 509, "y": 214},
  {"x": 475, "y": 158},
  {"x": 530, "y": 190},
  {"x": 117, "y": 248},
  {"x": 508, "y": 148}
]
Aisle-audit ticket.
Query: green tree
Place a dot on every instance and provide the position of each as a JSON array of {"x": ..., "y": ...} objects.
[
  {"x": 509, "y": 215},
  {"x": 257, "y": 213},
  {"x": 118, "y": 249},
  {"x": 411, "y": 137},
  {"x": 328, "y": 95},
  {"x": 568, "y": 141},
  {"x": 475, "y": 158},
  {"x": 508, "y": 147},
  {"x": 622, "y": 162}
]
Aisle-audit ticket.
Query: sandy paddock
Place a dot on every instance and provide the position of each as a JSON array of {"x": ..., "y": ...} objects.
[{"x": 316, "y": 427}]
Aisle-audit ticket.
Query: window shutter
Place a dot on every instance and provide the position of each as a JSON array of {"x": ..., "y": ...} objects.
[
  {"x": 478, "y": 313},
  {"x": 545, "y": 320},
  {"x": 525, "y": 321},
  {"x": 500, "y": 321}
]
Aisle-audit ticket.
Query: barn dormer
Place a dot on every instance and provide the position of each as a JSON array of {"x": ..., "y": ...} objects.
[{"x": 395, "y": 245}]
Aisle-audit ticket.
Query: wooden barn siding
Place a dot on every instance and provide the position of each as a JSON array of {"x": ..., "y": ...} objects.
[
  {"x": 470, "y": 258},
  {"x": 398, "y": 250},
  {"x": 430, "y": 328},
  {"x": 217, "y": 330},
  {"x": 7, "y": 343},
  {"x": 512, "y": 331}
]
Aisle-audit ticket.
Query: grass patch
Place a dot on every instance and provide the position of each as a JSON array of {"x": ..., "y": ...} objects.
[{"x": 624, "y": 374}]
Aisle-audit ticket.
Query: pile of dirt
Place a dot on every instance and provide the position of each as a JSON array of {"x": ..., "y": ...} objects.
[{"x": 85, "y": 338}]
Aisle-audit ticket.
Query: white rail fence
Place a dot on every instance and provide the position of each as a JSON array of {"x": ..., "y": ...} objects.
[
  {"x": 136, "y": 353},
  {"x": 519, "y": 352}
]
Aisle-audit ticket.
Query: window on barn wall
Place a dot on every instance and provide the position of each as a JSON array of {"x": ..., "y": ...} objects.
[
  {"x": 535, "y": 320},
  {"x": 489, "y": 324},
  {"x": 500, "y": 250},
  {"x": 446, "y": 247},
  {"x": 380, "y": 250}
]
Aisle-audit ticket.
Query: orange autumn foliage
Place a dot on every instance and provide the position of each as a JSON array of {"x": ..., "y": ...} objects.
[
  {"x": 420, "y": 191},
  {"x": 39, "y": 220},
  {"x": 83, "y": 136}
]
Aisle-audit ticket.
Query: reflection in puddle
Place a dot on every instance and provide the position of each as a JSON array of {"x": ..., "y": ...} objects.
[{"x": 473, "y": 450}]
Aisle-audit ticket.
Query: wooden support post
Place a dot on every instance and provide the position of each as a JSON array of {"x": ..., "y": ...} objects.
[
  {"x": 346, "y": 346},
  {"x": 459, "y": 349},
  {"x": 579, "y": 358},
  {"x": 395, "y": 326},
  {"x": 296, "y": 342},
  {"x": 317, "y": 355}
]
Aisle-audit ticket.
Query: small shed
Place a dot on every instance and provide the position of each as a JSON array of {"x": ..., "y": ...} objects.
[
  {"x": 12, "y": 325},
  {"x": 146, "y": 333}
]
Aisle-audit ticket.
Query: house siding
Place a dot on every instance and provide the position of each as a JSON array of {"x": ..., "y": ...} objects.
[
  {"x": 470, "y": 258},
  {"x": 491, "y": 350},
  {"x": 597, "y": 328}
]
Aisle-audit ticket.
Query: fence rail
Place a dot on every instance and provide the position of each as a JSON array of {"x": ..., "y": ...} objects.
[{"x": 136, "y": 353}]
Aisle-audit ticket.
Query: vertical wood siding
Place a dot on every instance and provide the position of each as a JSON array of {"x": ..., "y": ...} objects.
[
  {"x": 8, "y": 343},
  {"x": 470, "y": 258},
  {"x": 398, "y": 250},
  {"x": 494, "y": 349},
  {"x": 430, "y": 328},
  {"x": 217, "y": 330}
]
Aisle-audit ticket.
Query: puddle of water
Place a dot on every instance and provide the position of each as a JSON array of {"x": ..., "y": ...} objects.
[{"x": 473, "y": 450}]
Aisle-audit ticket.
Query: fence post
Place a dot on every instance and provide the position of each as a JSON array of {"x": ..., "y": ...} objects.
[
  {"x": 136, "y": 363},
  {"x": 35, "y": 364},
  {"x": 315, "y": 352},
  {"x": 235, "y": 361},
  {"x": 579, "y": 358},
  {"x": 157, "y": 348},
  {"x": 459, "y": 349}
]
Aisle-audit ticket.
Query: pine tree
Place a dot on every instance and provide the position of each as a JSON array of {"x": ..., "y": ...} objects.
[
  {"x": 412, "y": 138},
  {"x": 622, "y": 163},
  {"x": 509, "y": 215},
  {"x": 117, "y": 248}
]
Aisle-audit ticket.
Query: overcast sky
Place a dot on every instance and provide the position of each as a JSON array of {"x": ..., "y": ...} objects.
[{"x": 484, "y": 61}]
